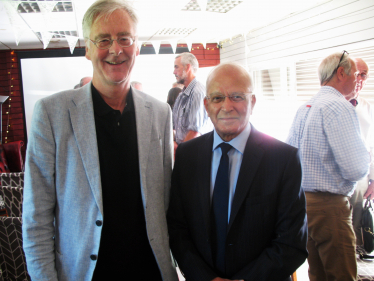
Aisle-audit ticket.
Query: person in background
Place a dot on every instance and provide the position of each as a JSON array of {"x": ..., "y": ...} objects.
[
  {"x": 98, "y": 168},
  {"x": 189, "y": 117},
  {"x": 177, "y": 85},
  {"x": 237, "y": 210},
  {"x": 84, "y": 81},
  {"x": 333, "y": 157},
  {"x": 172, "y": 96},
  {"x": 365, "y": 187},
  {"x": 137, "y": 85}
]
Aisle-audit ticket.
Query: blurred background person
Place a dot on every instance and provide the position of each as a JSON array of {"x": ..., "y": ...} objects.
[
  {"x": 365, "y": 187},
  {"x": 172, "y": 96},
  {"x": 137, "y": 85}
]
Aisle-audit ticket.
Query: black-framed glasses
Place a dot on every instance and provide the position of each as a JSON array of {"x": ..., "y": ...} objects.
[
  {"x": 234, "y": 97},
  {"x": 336, "y": 68},
  {"x": 341, "y": 58},
  {"x": 104, "y": 44}
]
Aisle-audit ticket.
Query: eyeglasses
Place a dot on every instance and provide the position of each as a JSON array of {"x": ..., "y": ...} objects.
[
  {"x": 341, "y": 58},
  {"x": 104, "y": 44},
  {"x": 364, "y": 76},
  {"x": 234, "y": 97}
]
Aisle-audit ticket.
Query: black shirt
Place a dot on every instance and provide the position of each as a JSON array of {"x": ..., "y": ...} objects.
[{"x": 124, "y": 247}]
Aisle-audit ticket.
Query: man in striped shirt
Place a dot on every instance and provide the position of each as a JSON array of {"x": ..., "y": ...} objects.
[
  {"x": 334, "y": 157},
  {"x": 190, "y": 119}
]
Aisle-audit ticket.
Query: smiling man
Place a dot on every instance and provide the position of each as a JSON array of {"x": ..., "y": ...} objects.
[
  {"x": 237, "y": 211},
  {"x": 98, "y": 168}
]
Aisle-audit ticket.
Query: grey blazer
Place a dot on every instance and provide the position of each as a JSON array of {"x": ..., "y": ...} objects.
[{"x": 62, "y": 193}]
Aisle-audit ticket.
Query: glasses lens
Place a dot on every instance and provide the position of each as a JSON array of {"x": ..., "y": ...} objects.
[
  {"x": 103, "y": 44},
  {"x": 237, "y": 97},
  {"x": 217, "y": 98},
  {"x": 125, "y": 41}
]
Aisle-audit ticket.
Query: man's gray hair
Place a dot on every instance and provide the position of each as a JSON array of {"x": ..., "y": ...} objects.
[
  {"x": 104, "y": 8},
  {"x": 328, "y": 67},
  {"x": 188, "y": 58}
]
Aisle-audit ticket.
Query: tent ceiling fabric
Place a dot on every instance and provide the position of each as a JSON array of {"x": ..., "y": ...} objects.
[{"x": 178, "y": 21}]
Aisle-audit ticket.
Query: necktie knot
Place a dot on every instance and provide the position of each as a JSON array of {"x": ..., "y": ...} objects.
[{"x": 225, "y": 147}]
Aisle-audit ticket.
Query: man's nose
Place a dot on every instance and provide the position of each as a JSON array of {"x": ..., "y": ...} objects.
[
  {"x": 115, "y": 49},
  {"x": 227, "y": 104}
]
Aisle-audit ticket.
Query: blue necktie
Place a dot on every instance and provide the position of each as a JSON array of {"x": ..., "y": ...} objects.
[{"x": 220, "y": 205}]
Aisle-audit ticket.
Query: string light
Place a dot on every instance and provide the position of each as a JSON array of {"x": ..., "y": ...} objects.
[{"x": 11, "y": 74}]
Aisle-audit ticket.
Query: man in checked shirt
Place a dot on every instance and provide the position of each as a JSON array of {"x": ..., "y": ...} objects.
[{"x": 334, "y": 157}]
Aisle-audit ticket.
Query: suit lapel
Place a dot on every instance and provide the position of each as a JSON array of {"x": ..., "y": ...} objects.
[
  {"x": 204, "y": 168},
  {"x": 83, "y": 123},
  {"x": 251, "y": 160},
  {"x": 144, "y": 121}
]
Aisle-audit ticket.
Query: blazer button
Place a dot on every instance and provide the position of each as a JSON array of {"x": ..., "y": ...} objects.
[
  {"x": 93, "y": 257},
  {"x": 99, "y": 223}
]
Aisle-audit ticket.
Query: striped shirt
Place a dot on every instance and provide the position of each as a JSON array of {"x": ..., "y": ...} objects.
[
  {"x": 189, "y": 113},
  {"x": 327, "y": 132}
]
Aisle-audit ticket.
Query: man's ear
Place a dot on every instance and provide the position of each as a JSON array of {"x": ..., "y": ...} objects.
[
  {"x": 253, "y": 102},
  {"x": 87, "y": 55},
  {"x": 340, "y": 73},
  {"x": 137, "y": 49},
  {"x": 206, "y": 106}
]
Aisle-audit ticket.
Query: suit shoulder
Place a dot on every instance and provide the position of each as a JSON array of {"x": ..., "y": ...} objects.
[
  {"x": 193, "y": 144},
  {"x": 63, "y": 95},
  {"x": 273, "y": 143}
]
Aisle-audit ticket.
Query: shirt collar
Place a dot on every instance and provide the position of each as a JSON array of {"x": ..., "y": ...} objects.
[
  {"x": 101, "y": 108},
  {"x": 238, "y": 142},
  {"x": 187, "y": 91}
]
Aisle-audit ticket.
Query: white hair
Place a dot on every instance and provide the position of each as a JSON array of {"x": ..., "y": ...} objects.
[
  {"x": 104, "y": 8},
  {"x": 329, "y": 65},
  {"x": 188, "y": 58}
]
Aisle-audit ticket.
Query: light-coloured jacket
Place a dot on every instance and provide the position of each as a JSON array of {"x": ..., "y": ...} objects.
[{"x": 62, "y": 193}]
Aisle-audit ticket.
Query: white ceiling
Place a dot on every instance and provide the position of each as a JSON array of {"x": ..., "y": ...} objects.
[{"x": 160, "y": 21}]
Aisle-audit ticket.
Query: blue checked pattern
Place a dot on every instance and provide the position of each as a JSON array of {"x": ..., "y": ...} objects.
[
  {"x": 333, "y": 155},
  {"x": 189, "y": 112}
]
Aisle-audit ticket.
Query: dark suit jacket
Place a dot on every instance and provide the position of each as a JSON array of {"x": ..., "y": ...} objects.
[{"x": 267, "y": 233}]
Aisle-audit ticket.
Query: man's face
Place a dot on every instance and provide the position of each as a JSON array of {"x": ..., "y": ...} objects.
[
  {"x": 229, "y": 118},
  {"x": 112, "y": 66},
  {"x": 362, "y": 68},
  {"x": 350, "y": 82},
  {"x": 179, "y": 71}
]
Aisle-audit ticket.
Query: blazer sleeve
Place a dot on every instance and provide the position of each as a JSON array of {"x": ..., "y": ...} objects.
[
  {"x": 40, "y": 198},
  {"x": 183, "y": 248},
  {"x": 287, "y": 251},
  {"x": 168, "y": 156}
]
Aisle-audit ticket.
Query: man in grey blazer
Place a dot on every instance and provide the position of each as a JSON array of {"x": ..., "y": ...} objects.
[{"x": 98, "y": 168}]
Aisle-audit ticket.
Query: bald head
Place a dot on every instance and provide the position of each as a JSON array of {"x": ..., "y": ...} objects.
[
  {"x": 363, "y": 70},
  {"x": 230, "y": 70}
]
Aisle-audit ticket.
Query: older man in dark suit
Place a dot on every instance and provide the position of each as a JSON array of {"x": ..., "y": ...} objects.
[{"x": 237, "y": 211}]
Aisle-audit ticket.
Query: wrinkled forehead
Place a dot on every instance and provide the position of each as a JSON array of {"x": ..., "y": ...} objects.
[
  {"x": 228, "y": 80},
  {"x": 362, "y": 66}
]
